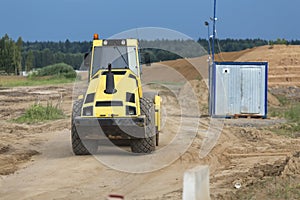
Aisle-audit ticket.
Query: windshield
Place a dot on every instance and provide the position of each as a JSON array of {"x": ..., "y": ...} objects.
[{"x": 120, "y": 57}]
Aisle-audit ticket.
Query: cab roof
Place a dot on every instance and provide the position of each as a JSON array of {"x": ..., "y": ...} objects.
[{"x": 115, "y": 42}]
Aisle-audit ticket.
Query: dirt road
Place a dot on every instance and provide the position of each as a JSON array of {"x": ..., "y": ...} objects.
[{"x": 58, "y": 174}]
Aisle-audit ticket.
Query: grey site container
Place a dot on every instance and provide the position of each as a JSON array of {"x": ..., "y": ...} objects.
[{"x": 238, "y": 88}]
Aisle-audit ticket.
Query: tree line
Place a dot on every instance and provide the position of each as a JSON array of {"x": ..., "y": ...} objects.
[
  {"x": 10, "y": 55},
  {"x": 49, "y": 53},
  {"x": 17, "y": 56},
  {"x": 160, "y": 50},
  {"x": 229, "y": 45}
]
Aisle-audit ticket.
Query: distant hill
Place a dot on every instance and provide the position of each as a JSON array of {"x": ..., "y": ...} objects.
[{"x": 284, "y": 65}]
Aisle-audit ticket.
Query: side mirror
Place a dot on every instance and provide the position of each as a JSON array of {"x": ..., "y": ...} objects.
[{"x": 87, "y": 60}]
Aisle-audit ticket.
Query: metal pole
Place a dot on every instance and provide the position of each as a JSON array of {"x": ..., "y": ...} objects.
[
  {"x": 212, "y": 77},
  {"x": 214, "y": 31}
]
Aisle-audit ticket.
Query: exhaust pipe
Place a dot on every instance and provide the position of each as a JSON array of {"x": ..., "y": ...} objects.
[{"x": 110, "y": 82}]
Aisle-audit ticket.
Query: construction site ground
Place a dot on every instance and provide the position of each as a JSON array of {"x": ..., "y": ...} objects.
[{"x": 36, "y": 160}]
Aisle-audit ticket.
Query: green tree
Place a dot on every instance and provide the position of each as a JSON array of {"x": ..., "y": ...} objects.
[
  {"x": 7, "y": 54},
  {"x": 47, "y": 57},
  {"x": 10, "y": 55},
  {"x": 67, "y": 45},
  {"x": 18, "y": 56},
  {"x": 281, "y": 41},
  {"x": 29, "y": 61}
]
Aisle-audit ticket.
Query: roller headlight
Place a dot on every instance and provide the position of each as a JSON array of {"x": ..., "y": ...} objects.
[
  {"x": 130, "y": 110},
  {"x": 88, "y": 111}
]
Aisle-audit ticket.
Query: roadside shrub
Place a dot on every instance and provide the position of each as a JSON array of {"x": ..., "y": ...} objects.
[
  {"x": 60, "y": 70},
  {"x": 38, "y": 113}
]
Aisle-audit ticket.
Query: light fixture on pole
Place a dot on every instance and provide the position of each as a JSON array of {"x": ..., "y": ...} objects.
[{"x": 208, "y": 37}]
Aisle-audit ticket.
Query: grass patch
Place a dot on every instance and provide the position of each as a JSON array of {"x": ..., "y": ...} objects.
[
  {"x": 15, "y": 81},
  {"x": 292, "y": 114},
  {"x": 271, "y": 188},
  {"x": 39, "y": 113},
  {"x": 287, "y": 130},
  {"x": 277, "y": 112},
  {"x": 283, "y": 100}
]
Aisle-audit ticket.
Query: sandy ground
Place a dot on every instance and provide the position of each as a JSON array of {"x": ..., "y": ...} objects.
[{"x": 36, "y": 161}]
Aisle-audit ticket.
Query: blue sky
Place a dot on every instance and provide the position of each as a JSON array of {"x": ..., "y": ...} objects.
[{"x": 77, "y": 20}]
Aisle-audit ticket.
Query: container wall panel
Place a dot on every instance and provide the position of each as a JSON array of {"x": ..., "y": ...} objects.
[{"x": 238, "y": 88}]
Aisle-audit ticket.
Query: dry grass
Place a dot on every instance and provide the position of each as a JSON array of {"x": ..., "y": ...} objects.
[
  {"x": 9, "y": 80},
  {"x": 14, "y": 81}
]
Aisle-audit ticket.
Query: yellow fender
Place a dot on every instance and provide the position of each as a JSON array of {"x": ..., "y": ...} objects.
[{"x": 157, "y": 102}]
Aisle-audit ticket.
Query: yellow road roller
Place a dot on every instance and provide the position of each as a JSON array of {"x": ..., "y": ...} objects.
[{"x": 114, "y": 107}]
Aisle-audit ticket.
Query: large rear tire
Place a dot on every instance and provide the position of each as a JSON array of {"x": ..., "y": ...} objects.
[
  {"x": 146, "y": 144},
  {"x": 79, "y": 146}
]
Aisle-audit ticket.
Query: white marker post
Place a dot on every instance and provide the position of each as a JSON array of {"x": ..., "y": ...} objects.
[{"x": 196, "y": 184}]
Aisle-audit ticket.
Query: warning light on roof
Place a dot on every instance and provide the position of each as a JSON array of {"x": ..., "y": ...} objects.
[{"x": 96, "y": 36}]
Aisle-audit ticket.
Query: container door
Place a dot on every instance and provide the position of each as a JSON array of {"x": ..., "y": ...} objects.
[{"x": 250, "y": 90}]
